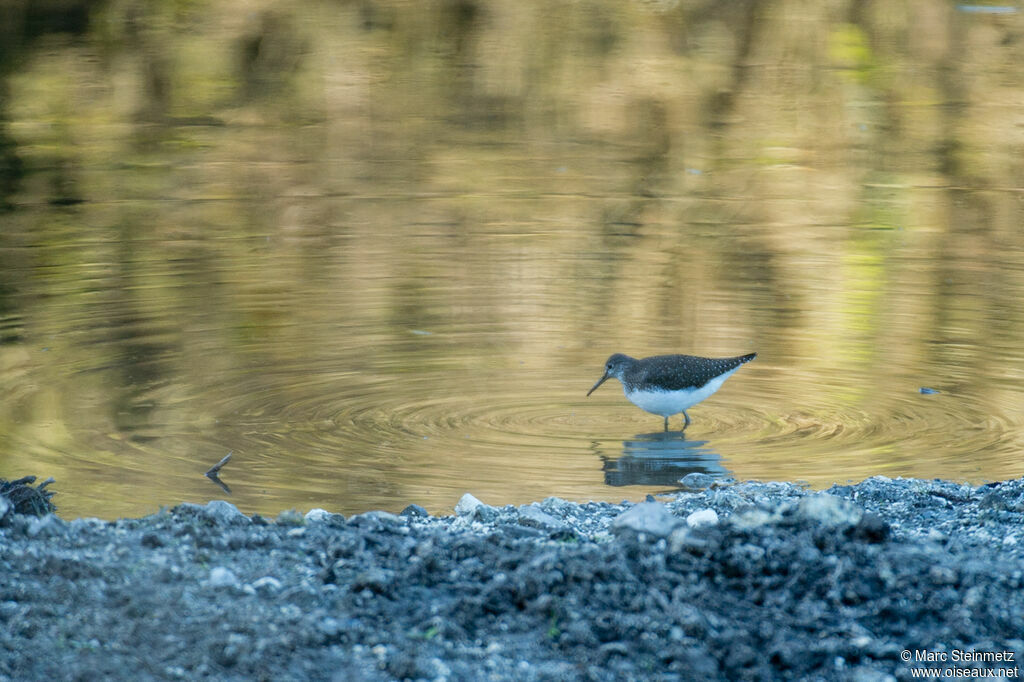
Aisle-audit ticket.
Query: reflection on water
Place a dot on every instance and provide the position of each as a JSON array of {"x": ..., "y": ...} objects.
[
  {"x": 661, "y": 459},
  {"x": 379, "y": 251}
]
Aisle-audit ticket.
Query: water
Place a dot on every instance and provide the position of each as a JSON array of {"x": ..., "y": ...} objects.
[{"x": 381, "y": 255}]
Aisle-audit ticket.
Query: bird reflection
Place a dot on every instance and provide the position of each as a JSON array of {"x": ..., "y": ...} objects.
[{"x": 661, "y": 459}]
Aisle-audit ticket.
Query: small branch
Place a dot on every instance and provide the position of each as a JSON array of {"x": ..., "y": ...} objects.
[
  {"x": 212, "y": 473},
  {"x": 216, "y": 479},
  {"x": 216, "y": 467}
]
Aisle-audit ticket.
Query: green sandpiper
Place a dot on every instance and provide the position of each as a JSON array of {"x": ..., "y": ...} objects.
[{"x": 670, "y": 384}]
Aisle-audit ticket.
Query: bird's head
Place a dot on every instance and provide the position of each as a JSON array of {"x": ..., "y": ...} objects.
[{"x": 614, "y": 367}]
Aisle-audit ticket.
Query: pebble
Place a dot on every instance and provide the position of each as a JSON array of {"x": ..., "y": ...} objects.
[
  {"x": 267, "y": 584},
  {"x": 533, "y": 516},
  {"x": 467, "y": 504},
  {"x": 317, "y": 515},
  {"x": 386, "y": 597},
  {"x": 415, "y": 511},
  {"x": 472, "y": 508},
  {"x": 224, "y": 512},
  {"x": 702, "y": 517},
  {"x": 651, "y": 518},
  {"x": 696, "y": 480},
  {"x": 222, "y": 577}
]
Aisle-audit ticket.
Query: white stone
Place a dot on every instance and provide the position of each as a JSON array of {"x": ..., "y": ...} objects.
[
  {"x": 222, "y": 577},
  {"x": 702, "y": 517},
  {"x": 467, "y": 505},
  {"x": 317, "y": 515},
  {"x": 650, "y": 518}
]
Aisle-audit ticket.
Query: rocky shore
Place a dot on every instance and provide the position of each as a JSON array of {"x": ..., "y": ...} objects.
[{"x": 880, "y": 580}]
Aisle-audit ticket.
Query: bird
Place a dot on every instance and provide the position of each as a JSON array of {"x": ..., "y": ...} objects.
[{"x": 669, "y": 384}]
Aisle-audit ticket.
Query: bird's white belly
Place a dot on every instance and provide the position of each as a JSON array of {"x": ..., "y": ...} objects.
[{"x": 668, "y": 403}]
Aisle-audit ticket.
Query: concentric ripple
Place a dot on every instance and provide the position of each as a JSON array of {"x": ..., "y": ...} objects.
[
  {"x": 352, "y": 438},
  {"x": 440, "y": 436}
]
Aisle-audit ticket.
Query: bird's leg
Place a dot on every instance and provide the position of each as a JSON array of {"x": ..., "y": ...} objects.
[
  {"x": 666, "y": 423},
  {"x": 687, "y": 418}
]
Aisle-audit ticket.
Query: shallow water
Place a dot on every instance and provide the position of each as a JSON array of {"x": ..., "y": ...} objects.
[{"x": 383, "y": 262}]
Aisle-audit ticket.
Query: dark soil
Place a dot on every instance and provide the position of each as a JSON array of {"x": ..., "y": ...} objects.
[{"x": 744, "y": 581}]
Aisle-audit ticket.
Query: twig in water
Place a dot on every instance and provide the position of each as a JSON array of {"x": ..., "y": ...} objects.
[
  {"x": 216, "y": 467},
  {"x": 216, "y": 479},
  {"x": 212, "y": 473}
]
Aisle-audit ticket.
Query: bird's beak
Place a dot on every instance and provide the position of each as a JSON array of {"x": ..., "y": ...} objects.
[{"x": 599, "y": 382}]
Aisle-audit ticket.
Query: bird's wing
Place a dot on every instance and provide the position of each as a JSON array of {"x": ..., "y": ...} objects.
[{"x": 677, "y": 372}]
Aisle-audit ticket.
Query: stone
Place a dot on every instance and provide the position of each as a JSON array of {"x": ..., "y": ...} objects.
[
  {"x": 466, "y": 505},
  {"x": 267, "y": 585},
  {"x": 533, "y": 516},
  {"x": 318, "y": 515},
  {"x": 221, "y": 511},
  {"x": 415, "y": 511},
  {"x": 702, "y": 517},
  {"x": 696, "y": 480},
  {"x": 651, "y": 518},
  {"x": 829, "y": 510},
  {"x": 472, "y": 508},
  {"x": 221, "y": 577}
]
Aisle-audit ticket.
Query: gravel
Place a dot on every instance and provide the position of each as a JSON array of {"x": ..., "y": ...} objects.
[{"x": 733, "y": 582}]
